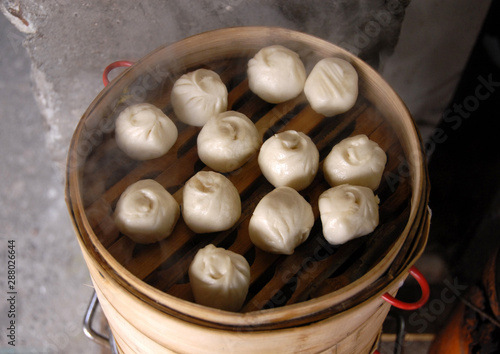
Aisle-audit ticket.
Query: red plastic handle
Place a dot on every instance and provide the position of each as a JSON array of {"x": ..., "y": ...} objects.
[
  {"x": 424, "y": 286},
  {"x": 116, "y": 64}
]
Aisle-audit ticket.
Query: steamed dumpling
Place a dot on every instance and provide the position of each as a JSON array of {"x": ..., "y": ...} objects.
[
  {"x": 144, "y": 132},
  {"x": 356, "y": 160},
  {"x": 146, "y": 212},
  {"x": 348, "y": 212},
  {"x": 276, "y": 74},
  {"x": 290, "y": 159},
  {"x": 197, "y": 96},
  {"x": 211, "y": 202},
  {"x": 281, "y": 221},
  {"x": 227, "y": 141},
  {"x": 332, "y": 86},
  {"x": 219, "y": 278}
]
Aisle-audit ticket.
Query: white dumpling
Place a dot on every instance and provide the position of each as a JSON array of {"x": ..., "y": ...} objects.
[
  {"x": 227, "y": 141},
  {"x": 197, "y": 96},
  {"x": 143, "y": 132},
  {"x": 290, "y": 159},
  {"x": 276, "y": 74},
  {"x": 332, "y": 86},
  {"x": 356, "y": 160},
  {"x": 348, "y": 212},
  {"x": 219, "y": 278},
  {"x": 210, "y": 203},
  {"x": 281, "y": 221},
  {"x": 146, "y": 212}
]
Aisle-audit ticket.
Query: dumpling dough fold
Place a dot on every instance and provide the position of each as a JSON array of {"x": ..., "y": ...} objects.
[
  {"x": 348, "y": 212},
  {"x": 198, "y": 96},
  {"x": 332, "y": 86},
  {"x": 276, "y": 74},
  {"x": 210, "y": 203},
  {"x": 144, "y": 132},
  {"x": 356, "y": 160},
  {"x": 281, "y": 221},
  {"x": 289, "y": 158},
  {"x": 146, "y": 212},
  {"x": 227, "y": 141},
  {"x": 219, "y": 278}
]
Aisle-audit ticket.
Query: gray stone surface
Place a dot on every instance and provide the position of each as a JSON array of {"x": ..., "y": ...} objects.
[{"x": 52, "y": 282}]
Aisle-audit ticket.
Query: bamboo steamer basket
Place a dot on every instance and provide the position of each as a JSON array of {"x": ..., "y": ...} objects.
[
  {"x": 139, "y": 328},
  {"x": 319, "y": 298}
]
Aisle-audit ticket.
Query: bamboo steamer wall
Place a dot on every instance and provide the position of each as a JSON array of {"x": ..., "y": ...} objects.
[
  {"x": 319, "y": 298},
  {"x": 140, "y": 328}
]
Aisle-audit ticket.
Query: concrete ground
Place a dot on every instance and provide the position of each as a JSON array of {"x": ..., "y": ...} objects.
[{"x": 52, "y": 283}]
